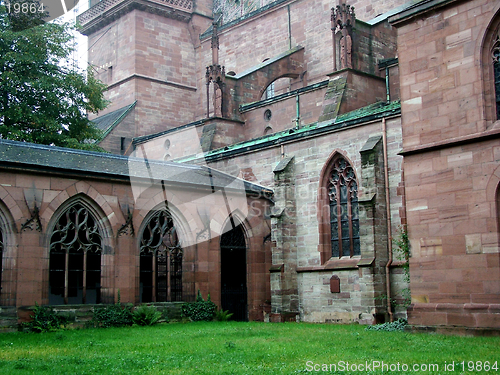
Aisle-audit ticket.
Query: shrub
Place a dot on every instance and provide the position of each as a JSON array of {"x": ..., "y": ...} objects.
[
  {"x": 199, "y": 310},
  {"x": 398, "y": 325},
  {"x": 44, "y": 319},
  {"x": 223, "y": 316},
  {"x": 112, "y": 316},
  {"x": 146, "y": 315}
]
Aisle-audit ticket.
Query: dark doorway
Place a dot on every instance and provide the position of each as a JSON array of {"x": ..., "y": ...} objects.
[{"x": 234, "y": 273}]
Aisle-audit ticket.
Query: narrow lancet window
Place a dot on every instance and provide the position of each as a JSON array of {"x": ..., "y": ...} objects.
[
  {"x": 344, "y": 212},
  {"x": 496, "y": 73}
]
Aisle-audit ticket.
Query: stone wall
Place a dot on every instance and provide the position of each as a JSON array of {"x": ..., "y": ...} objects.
[
  {"x": 451, "y": 163},
  {"x": 31, "y": 203},
  {"x": 299, "y": 281}
]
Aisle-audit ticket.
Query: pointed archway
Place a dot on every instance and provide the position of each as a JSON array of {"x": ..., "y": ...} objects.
[{"x": 234, "y": 273}]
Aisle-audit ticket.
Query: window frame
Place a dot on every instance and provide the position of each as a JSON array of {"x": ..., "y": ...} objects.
[
  {"x": 163, "y": 253},
  {"x": 324, "y": 212},
  {"x": 343, "y": 196},
  {"x": 58, "y": 247}
]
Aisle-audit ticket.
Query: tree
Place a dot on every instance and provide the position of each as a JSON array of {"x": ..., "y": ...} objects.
[{"x": 42, "y": 100}]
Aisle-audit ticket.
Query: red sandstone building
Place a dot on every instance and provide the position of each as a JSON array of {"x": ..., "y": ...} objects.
[{"x": 268, "y": 153}]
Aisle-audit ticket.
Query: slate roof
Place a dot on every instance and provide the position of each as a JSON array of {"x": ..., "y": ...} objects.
[
  {"x": 108, "y": 121},
  {"x": 70, "y": 162}
]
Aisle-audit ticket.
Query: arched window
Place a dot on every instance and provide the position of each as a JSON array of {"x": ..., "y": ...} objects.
[
  {"x": 160, "y": 260},
  {"x": 496, "y": 73},
  {"x": 344, "y": 211},
  {"x": 75, "y": 258}
]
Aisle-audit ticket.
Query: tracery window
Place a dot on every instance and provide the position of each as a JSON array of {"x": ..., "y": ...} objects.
[
  {"x": 344, "y": 211},
  {"x": 496, "y": 73},
  {"x": 75, "y": 258},
  {"x": 160, "y": 260}
]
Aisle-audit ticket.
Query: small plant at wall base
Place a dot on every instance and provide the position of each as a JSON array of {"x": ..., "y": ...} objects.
[
  {"x": 145, "y": 315},
  {"x": 398, "y": 325},
  {"x": 44, "y": 319},
  {"x": 112, "y": 315},
  {"x": 223, "y": 315},
  {"x": 200, "y": 310}
]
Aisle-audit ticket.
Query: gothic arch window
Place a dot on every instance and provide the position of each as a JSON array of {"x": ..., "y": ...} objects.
[
  {"x": 496, "y": 73},
  {"x": 344, "y": 210},
  {"x": 75, "y": 258},
  {"x": 160, "y": 260}
]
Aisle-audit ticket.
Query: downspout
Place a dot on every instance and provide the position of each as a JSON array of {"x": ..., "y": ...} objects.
[
  {"x": 297, "y": 111},
  {"x": 387, "y": 91},
  {"x": 289, "y": 28},
  {"x": 389, "y": 222}
]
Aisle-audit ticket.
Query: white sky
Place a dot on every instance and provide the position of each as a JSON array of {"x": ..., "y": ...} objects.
[{"x": 80, "y": 55}]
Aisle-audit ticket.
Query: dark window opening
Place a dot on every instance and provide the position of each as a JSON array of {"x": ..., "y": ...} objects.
[
  {"x": 160, "y": 261},
  {"x": 234, "y": 273},
  {"x": 75, "y": 259},
  {"x": 122, "y": 143},
  {"x": 344, "y": 210}
]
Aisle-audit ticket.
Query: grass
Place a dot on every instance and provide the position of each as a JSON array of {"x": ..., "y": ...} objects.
[{"x": 234, "y": 348}]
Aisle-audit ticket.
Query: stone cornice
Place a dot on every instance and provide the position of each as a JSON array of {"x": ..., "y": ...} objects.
[
  {"x": 107, "y": 11},
  {"x": 418, "y": 9},
  {"x": 458, "y": 141}
]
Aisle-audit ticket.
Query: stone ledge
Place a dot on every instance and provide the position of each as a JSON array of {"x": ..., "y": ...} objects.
[{"x": 339, "y": 264}]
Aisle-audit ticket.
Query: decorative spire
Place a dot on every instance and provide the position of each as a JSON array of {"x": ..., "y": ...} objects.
[
  {"x": 343, "y": 20},
  {"x": 216, "y": 75},
  {"x": 215, "y": 43}
]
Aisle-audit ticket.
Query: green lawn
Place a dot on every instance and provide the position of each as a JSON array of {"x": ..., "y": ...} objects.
[{"x": 239, "y": 348}]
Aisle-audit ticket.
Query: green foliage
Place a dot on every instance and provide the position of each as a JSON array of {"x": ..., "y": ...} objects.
[
  {"x": 43, "y": 100},
  {"x": 114, "y": 315},
  {"x": 402, "y": 247},
  {"x": 145, "y": 315},
  {"x": 398, "y": 325},
  {"x": 20, "y": 20},
  {"x": 223, "y": 316},
  {"x": 44, "y": 319},
  {"x": 199, "y": 310}
]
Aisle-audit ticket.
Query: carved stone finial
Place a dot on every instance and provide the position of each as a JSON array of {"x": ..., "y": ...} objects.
[
  {"x": 215, "y": 43},
  {"x": 216, "y": 75},
  {"x": 343, "y": 19},
  {"x": 33, "y": 223},
  {"x": 128, "y": 227}
]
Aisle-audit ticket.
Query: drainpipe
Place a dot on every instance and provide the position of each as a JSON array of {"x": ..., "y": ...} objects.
[
  {"x": 389, "y": 222},
  {"x": 289, "y": 28},
  {"x": 297, "y": 111},
  {"x": 388, "y": 94}
]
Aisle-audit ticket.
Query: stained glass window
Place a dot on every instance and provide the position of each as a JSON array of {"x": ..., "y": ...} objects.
[{"x": 344, "y": 211}]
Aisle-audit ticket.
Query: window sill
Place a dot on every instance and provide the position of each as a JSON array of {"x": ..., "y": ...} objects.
[{"x": 340, "y": 264}]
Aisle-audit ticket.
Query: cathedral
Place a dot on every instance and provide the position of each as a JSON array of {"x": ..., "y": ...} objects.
[{"x": 297, "y": 160}]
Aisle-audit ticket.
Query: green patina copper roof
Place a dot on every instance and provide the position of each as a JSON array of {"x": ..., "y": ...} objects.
[
  {"x": 109, "y": 121},
  {"x": 368, "y": 113}
]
